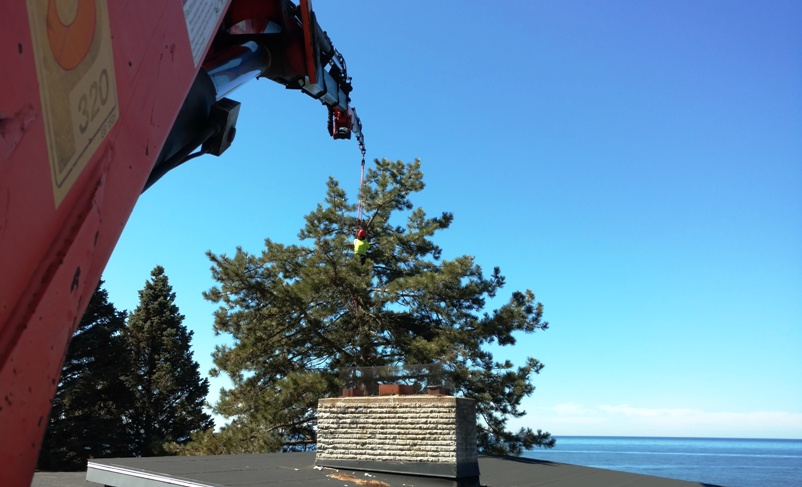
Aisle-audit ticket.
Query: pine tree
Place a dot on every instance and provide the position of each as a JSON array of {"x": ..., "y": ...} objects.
[
  {"x": 299, "y": 314},
  {"x": 169, "y": 393},
  {"x": 87, "y": 418}
]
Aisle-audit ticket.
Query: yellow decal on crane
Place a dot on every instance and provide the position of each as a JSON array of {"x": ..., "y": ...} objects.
[{"x": 77, "y": 86}]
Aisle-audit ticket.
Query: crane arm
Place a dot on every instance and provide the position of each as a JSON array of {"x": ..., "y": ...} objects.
[{"x": 100, "y": 100}]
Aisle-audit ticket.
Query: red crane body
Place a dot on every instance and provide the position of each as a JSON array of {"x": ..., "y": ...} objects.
[{"x": 99, "y": 100}]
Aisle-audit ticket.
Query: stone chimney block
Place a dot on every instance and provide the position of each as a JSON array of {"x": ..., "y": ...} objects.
[{"x": 419, "y": 434}]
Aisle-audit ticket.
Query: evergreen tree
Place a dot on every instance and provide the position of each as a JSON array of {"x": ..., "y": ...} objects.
[
  {"x": 298, "y": 314},
  {"x": 169, "y": 393},
  {"x": 87, "y": 418}
]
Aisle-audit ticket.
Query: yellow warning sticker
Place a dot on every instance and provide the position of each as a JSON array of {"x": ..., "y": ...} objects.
[{"x": 77, "y": 86}]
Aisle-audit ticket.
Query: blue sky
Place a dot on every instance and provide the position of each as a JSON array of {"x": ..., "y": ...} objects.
[{"x": 638, "y": 165}]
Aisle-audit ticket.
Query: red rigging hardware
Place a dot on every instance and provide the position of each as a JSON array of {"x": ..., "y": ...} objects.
[{"x": 100, "y": 99}]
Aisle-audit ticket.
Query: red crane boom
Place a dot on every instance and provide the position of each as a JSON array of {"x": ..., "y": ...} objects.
[{"x": 99, "y": 100}]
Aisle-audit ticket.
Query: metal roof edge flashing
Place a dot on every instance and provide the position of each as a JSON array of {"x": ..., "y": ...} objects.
[{"x": 127, "y": 477}]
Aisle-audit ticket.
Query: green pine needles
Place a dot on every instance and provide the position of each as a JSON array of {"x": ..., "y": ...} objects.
[
  {"x": 298, "y": 314},
  {"x": 127, "y": 388},
  {"x": 169, "y": 393}
]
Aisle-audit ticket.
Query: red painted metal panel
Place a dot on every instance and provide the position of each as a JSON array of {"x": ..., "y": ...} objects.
[{"x": 82, "y": 120}]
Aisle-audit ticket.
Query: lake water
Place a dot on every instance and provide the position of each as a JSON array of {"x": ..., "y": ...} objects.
[{"x": 724, "y": 462}]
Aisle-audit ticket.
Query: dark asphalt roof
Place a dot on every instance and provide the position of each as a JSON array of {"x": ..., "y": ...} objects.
[
  {"x": 61, "y": 479},
  {"x": 298, "y": 469}
]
